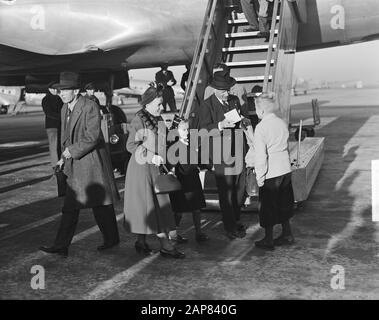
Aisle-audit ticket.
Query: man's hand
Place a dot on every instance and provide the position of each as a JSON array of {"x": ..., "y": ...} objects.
[
  {"x": 225, "y": 124},
  {"x": 60, "y": 163},
  {"x": 157, "y": 160},
  {"x": 170, "y": 83},
  {"x": 66, "y": 153}
]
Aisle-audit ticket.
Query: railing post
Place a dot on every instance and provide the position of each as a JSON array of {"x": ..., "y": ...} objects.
[{"x": 270, "y": 46}]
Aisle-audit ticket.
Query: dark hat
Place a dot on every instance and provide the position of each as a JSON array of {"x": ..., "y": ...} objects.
[
  {"x": 68, "y": 80},
  {"x": 51, "y": 84},
  {"x": 256, "y": 89},
  {"x": 149, "y": 95},
  {"x": 222, "y": 80},
  {"x": 90, "y": 86}
]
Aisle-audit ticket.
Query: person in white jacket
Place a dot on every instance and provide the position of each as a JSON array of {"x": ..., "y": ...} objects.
[{"x": 273, "y": 171}]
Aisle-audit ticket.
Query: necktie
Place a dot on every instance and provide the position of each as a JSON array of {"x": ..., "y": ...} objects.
[{"x": 69, "y": 111}]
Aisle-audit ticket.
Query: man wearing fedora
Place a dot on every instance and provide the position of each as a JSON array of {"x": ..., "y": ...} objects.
[
  {"x": 90, "y": 182},
  {"x": 231, "y": 187}
]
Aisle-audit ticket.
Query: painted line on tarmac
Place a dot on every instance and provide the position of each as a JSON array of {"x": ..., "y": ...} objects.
[
  {"x": 108, "y": 287},
  {"x": 22, "y": 144},
  {"x": 240, "y": 254},
  {"x": 2, "y": 173},
  {"x": 28, "y": 259},
  {"x": 15, "y": 232},
  {"x": 216, "y": 224},
  {"x": 3, "y": 225},
  {"x": 23, "y": 159}
]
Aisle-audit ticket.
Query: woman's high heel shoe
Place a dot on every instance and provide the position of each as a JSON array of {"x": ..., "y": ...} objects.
[{"x": 142, "y": 248}]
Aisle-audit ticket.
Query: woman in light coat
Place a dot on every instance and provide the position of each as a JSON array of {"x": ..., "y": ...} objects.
[
  {"x": 146, "y": 212},
  {"x": 273, "y": 171}
]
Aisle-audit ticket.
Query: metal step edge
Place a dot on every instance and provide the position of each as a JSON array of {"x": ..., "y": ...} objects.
[
  {"x": 243, "y": 21},
  {"x": 248, "y": 48},
  {"x": 251, "y": 79},
  {"x": 244, "y": 34},
  {"x": 247, "y": 63}
]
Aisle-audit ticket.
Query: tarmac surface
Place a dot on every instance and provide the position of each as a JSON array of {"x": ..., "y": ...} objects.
[{"x": 333, "y": 228}]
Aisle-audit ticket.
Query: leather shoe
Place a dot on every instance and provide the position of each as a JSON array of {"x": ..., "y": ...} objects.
[
  {"x": 59, "y": 251},
  {"x": 142, "y": 248},
  {"x": 241, "y": 233},
  {"x": 106, "y": 246},
  {"x": 251, "y": 29},
  {"x": 179, "y": 239},
  {"x": 202, "y": 237},
  {"x": 284, "y": 241},
  {"x": 174, "y": 253},
  {"x": 263, "y": 244},
  {"x": 232, "y": 235}
]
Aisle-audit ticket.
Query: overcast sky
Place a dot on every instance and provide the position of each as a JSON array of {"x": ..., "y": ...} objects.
[{"x": 346, "y": 63}]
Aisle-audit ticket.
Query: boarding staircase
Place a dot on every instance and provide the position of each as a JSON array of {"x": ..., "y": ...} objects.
[{"x": 251, "y": 59}]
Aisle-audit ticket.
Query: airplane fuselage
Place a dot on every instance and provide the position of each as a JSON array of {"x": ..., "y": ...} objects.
[{"x": 48, "y": 36}]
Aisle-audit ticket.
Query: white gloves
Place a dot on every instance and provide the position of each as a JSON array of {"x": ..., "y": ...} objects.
[{"x": 157, "y": 160}]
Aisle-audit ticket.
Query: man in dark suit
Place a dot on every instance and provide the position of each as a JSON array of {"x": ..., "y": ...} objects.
[
  {"x": 185, "y": 76},
  {"x": 231, "y": 186},
  {"x": 52, "y": 105},
  {"x": 90, "y": 181},
  {"x": 166, "y": 79}
]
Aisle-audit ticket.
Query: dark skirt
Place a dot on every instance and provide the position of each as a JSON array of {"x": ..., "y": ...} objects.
[
  {"x": 191, "y": 197},
  {"x": 276, "y": 197}
]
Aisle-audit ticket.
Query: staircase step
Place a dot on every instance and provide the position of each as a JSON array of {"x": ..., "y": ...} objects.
[
  {"x": 237, "y": 35},
  {"x": 243, "y": 21},
  {"x": 247, "y": 71},
  {"x": 247, "y": 48},
  {"x": 251, "y": 79},
  {"x": 241, "y": 64}
]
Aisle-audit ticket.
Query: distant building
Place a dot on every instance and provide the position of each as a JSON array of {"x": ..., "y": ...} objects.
[{"x": 359, "y": 85}]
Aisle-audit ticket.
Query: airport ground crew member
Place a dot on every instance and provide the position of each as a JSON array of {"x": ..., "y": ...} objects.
[
  {"x": 90, "y": 92},
  {"x": 185, "y": 76},
  {"x": 90, "y": 181},
  {"x": 166, "y": 79},
  {"x": 52, "y": 105}
]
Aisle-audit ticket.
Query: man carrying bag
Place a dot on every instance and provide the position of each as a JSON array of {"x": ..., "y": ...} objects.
[{"x": 90, "y": 181}]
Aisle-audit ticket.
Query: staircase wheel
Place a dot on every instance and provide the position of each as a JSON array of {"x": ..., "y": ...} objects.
[
  {"x": 304, "y": 134},
  {"x": 311, "y": 132}
]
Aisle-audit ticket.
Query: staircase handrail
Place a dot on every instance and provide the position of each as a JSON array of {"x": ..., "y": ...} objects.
[
  {"x": 270, "y": 46},
  {"x": 200, "y": 51}
]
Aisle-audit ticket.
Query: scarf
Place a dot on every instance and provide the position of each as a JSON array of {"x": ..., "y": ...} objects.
[{"x": 150, "y": 121}]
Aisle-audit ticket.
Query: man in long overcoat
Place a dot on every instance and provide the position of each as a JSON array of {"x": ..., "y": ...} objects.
[
  {"x": 226, "y": 144},
  {"x": 166, "y": 79},
  {"x": 90, "y": 181}
]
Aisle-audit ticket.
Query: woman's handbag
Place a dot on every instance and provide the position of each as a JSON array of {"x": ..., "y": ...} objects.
[
  {"x": 251, "y": 187},
  {"x": 166, "y": 182},
  {"x": 61, "y": 181}
]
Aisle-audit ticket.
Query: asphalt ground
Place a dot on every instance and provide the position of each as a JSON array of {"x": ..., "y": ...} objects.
[{"x": 333, "y": 228}]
